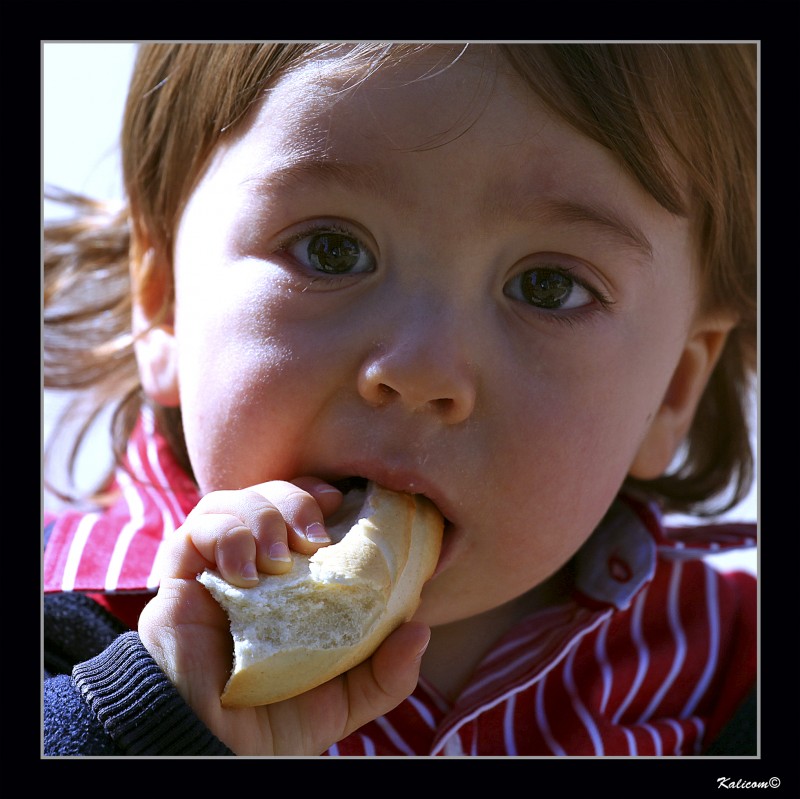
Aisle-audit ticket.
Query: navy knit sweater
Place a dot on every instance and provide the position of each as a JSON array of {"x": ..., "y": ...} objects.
[{"x": 104, "y": 694}]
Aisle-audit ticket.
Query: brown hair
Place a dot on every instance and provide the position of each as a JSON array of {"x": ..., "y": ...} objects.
[{"x": 682, "y": 117}]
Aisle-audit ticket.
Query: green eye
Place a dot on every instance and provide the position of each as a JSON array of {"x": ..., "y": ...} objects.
[
  {"x": 546, "y": 288},
  {"x": 332, "y": 252},
  {"x": 549, "y": 288}
]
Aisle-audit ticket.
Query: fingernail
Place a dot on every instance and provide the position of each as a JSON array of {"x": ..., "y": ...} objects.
[
  {"x": 424, "y": 647},
  {"x": 325, "y": 488},
  {"x": 317, "y": 534},
  {"x": 279, "y": 551},
  {"x": 249, "y": 571}
]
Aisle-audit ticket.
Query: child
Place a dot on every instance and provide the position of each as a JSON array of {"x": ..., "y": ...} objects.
[{"x": 518, "y": 279}]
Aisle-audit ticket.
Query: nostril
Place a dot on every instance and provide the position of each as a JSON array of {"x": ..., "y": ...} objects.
[
  {"x": 448, "y": 394},
  {"x": 442, "y": 405},
  {"x": 385, "y": 392}
]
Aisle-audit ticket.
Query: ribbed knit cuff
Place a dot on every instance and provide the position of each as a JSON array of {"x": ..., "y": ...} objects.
[{"x": 138, "y": 706}]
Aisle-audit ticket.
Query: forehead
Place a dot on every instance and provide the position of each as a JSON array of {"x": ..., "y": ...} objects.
[
  {"x": 467, "y": 134},
  {"x": 410, "y": 104},
  {"x": 340, "y": 110}
]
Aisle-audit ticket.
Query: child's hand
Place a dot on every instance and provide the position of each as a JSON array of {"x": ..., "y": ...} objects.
[{"x": 187, "y": 632}]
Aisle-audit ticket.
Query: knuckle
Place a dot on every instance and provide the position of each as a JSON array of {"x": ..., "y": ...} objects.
[{"x": 268, "y": 519}]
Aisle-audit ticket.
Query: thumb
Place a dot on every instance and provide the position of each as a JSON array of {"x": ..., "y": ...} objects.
[{"x": 379, "y": 684}]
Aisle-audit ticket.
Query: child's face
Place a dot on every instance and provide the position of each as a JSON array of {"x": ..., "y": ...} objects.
[{"x": 440, "y": 286}]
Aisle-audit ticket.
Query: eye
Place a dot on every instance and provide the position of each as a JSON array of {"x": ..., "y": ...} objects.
[
  {"x": 549, "y": 289},
  {"x": 334, "y": 252}
]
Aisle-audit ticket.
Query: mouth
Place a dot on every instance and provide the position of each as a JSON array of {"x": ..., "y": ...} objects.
[
  {"x": 395, "y": 482},
  {"x": 348, "y": 484}
]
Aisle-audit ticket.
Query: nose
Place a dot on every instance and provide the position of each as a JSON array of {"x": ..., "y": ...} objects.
[{"x": 424, "y": 367}]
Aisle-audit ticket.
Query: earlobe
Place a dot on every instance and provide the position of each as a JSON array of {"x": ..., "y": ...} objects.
[
  {"x": 154, "y": 334},
  {"x": 672, "y": 420},
  {"x": 156, "y": 355}
]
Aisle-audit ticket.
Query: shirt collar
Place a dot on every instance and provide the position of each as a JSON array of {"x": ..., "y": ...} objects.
[{"x": 618, "y": 559}]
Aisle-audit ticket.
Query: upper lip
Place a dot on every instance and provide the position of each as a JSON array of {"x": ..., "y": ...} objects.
[{"x": 396, "y": 478}]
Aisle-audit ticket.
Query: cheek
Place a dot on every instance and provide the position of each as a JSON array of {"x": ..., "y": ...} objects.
[
  {"x": 573, "y": 434},
  {"x": 230, "y": 328},
  {"x": 578, "y": 409},
  {"x": 236, "y": 382}
]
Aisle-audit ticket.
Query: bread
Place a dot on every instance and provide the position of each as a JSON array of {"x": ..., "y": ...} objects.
[{"x": 294, "y": 631}]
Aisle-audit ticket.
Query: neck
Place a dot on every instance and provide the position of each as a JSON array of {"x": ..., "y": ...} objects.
[{"x": 456, "y": 649}]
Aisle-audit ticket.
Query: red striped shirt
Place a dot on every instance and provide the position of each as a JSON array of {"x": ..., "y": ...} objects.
[
  {"x": 651, "y": 656},
  {"x": 661, "y": 677}
]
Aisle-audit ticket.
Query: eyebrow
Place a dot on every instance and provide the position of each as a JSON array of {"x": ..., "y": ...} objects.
[
  {"x": 605, "y": 220},
  {"x": 385, "y": 183},
  {"x": 518, "y": 203},
  {"x": 359, "y": 178}
]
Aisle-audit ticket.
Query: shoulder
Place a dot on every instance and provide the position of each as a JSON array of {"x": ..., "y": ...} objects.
[{"x": 690, "y": 592}]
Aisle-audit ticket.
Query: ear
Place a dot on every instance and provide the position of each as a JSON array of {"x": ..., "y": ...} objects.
[
  {"x": 153, "y": 330},
  {"x": 674, "y": 417}
]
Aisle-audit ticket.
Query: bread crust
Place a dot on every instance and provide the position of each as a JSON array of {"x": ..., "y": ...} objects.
[{"x": 294, "y": 631}]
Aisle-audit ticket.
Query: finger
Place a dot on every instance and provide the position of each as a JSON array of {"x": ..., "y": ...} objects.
[
  {"x": 256, "y": 511},
  {"x": 302, "y": 515},
  {"x": 241, "y": 533},
  {"x": 215, "y": 541},
  {"x": 327, "y": 496},
  {"x": 277, "y": 514},
  {"x": 379, "y": 684}
]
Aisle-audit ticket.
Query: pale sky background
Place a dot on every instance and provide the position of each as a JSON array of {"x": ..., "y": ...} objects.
[{"x": 83, "y": 93}]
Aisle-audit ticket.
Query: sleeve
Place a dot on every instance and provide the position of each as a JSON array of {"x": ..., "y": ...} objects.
[{"x": 121, "y": 703}]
